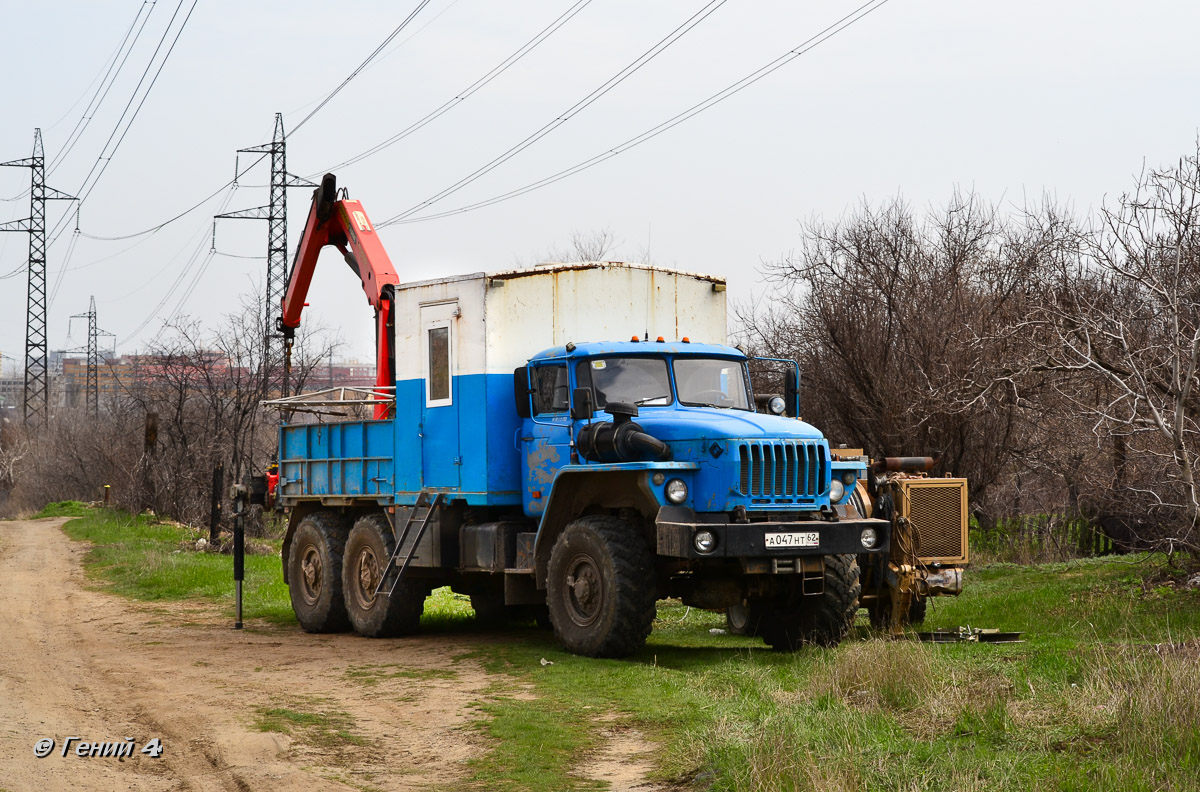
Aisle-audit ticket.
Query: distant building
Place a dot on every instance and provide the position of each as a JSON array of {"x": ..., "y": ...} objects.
[
  {"x": 117, "y": 375},
  {"x": 12, "y": 393},
  {"x": 348, "y": 373}
]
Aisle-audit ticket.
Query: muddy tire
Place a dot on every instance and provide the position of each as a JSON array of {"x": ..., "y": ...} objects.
[
  {"x": 821, "y": 620},
  {"x": 315, "y": 573},
  {"x": 367, "y": 552},
  {"x": 600, "y": 588}
]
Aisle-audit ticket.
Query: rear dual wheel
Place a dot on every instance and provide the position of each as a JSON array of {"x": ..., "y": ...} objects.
[
  {"x": 378, "y": 615},
  {"x": 315, "y": 573}
]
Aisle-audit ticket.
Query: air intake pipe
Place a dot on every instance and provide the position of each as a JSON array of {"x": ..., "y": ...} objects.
[{"x": 620, "y": 440}]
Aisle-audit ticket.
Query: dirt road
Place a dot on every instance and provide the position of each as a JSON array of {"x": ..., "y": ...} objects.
[{"x": 363, "y": 714}]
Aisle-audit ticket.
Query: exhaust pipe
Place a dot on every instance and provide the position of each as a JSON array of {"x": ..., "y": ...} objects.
[{"x": 905, "y": 464}]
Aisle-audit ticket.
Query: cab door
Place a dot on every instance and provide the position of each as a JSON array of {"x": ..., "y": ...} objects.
[
  {"x": 441, "y": 458},
  {"x": 546, "y": 435}
]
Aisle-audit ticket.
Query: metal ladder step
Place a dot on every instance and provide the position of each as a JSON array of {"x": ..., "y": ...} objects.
[{"x": 421, "y": 512}]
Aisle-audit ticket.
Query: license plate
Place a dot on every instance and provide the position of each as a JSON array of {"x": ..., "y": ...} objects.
[{"x": 793, "y": 539}]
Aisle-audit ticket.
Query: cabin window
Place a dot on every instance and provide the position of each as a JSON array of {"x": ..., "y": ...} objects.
[
  {"x": 439, "y": 364},
  {"x": 551, "y": 390}
]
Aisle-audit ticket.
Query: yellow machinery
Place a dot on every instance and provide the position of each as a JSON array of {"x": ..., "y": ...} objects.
[{"x": 929, "y": 538}]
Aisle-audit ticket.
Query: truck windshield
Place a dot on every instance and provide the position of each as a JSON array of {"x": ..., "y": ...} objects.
[
  {"x": 637, "y": 380},
  {"x": 711, "y": 382}
]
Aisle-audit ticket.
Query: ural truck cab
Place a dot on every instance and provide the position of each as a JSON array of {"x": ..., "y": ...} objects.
[
  {"x": 578, "y": 484},
  {"x": 664, "y": 444}
]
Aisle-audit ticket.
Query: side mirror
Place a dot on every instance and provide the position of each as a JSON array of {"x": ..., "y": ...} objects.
[
  {"x": 521, "y": 392},
  {"x": 791, "y": 391},
  {"x": 584, "y": 406}
]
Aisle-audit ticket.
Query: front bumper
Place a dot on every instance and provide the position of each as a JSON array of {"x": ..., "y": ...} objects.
[{"x": 677, "y": 526}]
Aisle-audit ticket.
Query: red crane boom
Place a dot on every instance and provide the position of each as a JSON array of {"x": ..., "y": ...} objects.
[{"x": 344, "y": 224}]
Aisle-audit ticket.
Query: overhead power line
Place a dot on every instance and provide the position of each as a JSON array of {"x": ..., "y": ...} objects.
[
  {"x": 93, "y": 105},
  {"x": 571, "y": 112},
  {"x": 829, "y": 32},
  {"x": 152, "y": 229},
  {"x": 464, "y": 94},
  {"x": 183, "y": 273},
  {"x": 86, "y": 189},
  {"x": 110, "y": 78},
  {"x": 385, "y": 55},
  {"x": 218, "y": 190},
  {"x": 362, "y": 65}
]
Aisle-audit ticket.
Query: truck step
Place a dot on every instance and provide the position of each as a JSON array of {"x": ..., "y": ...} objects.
[{"x": 419, "y": 515}]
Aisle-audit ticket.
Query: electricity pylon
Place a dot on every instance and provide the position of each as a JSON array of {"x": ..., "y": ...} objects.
[
  {"x": 37, "y": 376},
  {"x": 93, "y": 358},
  {"x": 275, "y": 214}
]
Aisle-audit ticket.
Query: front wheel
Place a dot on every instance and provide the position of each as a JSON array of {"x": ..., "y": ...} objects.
[
  {"x": 600, "y": 588},
  {"x": 821, "y": 620},
  {"x": 377, "y": 615}
]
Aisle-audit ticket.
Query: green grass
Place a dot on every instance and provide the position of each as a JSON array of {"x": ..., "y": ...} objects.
[
  {"x": 154, "y": 561},
  {"x": 1085, "y": 703},
  {"x": 329, "y": 729},
  {"x": 62, "y": 509},
  {"x": 1104, "y": 693},
  {"x": 146, "y": 559}
]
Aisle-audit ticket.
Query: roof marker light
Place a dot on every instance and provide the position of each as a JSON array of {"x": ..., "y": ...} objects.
[
  {"x": 635, "y": 338},
  {"x": 686, "y": 340},
  {"x": 660, "y": 340}
]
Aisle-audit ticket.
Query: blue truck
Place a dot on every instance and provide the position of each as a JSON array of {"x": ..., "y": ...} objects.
[{"x": 519, "y": 454}]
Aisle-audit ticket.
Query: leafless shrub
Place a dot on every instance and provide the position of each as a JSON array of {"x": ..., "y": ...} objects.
[{"x": 204, "y": 388}]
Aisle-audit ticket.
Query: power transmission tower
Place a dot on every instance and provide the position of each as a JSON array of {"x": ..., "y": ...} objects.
[
  {"x": 37, "y": 378},
  {"x": 276, "y": 216},
  {"x": 93, "y": 358}
]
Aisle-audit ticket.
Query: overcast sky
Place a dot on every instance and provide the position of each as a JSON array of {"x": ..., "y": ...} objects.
[{"x": 920, "y": 97}]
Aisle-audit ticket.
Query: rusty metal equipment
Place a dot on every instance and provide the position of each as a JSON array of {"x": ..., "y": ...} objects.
[{"x": 929, "y": 551}]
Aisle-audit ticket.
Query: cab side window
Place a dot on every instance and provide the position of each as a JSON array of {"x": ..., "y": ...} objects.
[{"x": 551, "y": 389}]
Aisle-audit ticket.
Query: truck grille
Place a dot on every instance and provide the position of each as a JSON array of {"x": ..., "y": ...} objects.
[
  {"x": 937, "y": 513},
  {"x": 782, "y": 468}
]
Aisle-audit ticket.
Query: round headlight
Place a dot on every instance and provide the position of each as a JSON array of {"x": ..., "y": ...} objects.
[
  {"x": 705, "y": 541},
  {"x": 869, "y": 538},
  {"x": 776, "y": 405},
  {"x": 676, "y": 491},
  {"x": 849, "y": 477},
  {"x": 836, "y": 491}
]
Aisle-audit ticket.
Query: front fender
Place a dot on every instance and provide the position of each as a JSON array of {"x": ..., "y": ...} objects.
[{"x": 604, "y": 487}]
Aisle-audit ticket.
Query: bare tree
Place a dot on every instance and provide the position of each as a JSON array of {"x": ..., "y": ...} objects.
[
  {"x": 14, "y": 447},
  {"x": 901, "y": 326},
  {"x": 598, "y": 245},
  {"x": 1119, "y": 324}
]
